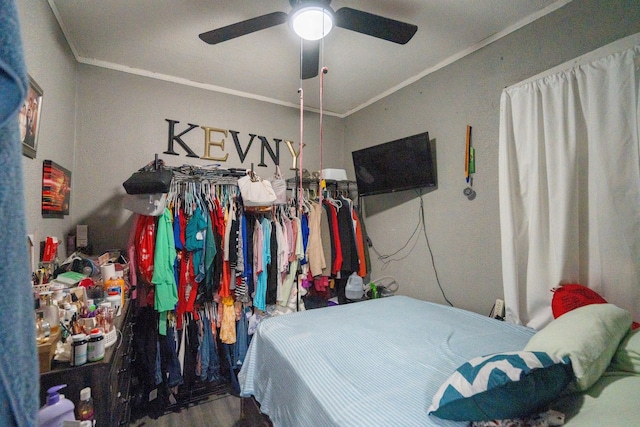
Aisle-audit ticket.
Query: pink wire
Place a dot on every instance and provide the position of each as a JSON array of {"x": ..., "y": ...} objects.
[
  {"x": 322, "y": 73},
  {"x": 300, "y": 192}
]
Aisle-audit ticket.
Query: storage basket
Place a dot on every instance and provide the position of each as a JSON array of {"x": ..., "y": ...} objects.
[{"x": 110, "y": 338}]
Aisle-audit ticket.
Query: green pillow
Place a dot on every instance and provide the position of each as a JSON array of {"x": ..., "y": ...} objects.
[
  {"x": 589, "y": 335},
  {"x": 627, "y": 357}
]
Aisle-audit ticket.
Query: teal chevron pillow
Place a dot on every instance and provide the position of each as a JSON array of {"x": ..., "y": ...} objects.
[{"x": 502, "y": 386}]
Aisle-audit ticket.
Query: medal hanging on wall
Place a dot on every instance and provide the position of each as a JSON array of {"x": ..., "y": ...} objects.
[{"x": 469, "y": 166}]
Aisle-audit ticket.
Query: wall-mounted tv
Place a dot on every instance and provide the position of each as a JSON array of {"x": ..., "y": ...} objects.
[{"x": 403, "y": 164}]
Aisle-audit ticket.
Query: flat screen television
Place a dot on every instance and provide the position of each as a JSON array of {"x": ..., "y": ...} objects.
[{"x": 403, "y": 164}]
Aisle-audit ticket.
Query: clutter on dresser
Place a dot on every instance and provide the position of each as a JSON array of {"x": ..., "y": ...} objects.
[
  {"x": 84, "y": 324},
  {"x": 76, "y": 303}
]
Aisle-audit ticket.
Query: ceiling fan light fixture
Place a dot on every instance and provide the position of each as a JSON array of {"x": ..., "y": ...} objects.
[{"x": 312, "y": 22}]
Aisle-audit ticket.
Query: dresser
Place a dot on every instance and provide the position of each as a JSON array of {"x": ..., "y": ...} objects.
[{"x": 108, "y": 378}]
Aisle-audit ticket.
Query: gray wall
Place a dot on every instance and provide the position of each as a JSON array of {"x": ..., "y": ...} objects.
[
  {"x": 50, "y": 62},
  {"x": 465, "y": 235},
  {"x": 105, "y": 124}
]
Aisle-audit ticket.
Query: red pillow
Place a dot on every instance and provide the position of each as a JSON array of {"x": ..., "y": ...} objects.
[{"x": 571, "y": 296}]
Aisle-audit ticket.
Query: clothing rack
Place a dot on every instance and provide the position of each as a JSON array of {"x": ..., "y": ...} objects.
[
  {"x": 345, "y": 187},
  {"x": 211, "y": 191}
]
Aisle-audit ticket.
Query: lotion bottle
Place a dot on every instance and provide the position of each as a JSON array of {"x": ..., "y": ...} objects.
[{"x": 57, "y": 410}]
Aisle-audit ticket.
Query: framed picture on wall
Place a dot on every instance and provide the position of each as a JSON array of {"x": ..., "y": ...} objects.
[
  {"x": 56, "y": 190},
  {"x": 30, "y": 119}
]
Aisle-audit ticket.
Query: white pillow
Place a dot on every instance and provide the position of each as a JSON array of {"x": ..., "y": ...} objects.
[{"x": 589, "y": 335}]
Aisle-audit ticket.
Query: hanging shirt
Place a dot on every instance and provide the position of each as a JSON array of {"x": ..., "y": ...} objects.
[
  {"x": 195, "y": 241},
  {"x": 315, "y": 254},
  {"x": 326, "y": 238},
  {"x": 272, "y": 266},
  {"x": 304, "y": 232},
  {"x": 228, "y": 323},
  {"x": 282, "y": 261},
  {"x": 363, "y": 248},
  {"x": 296, "y": 224},
  {"x": 347, "y": 239},
  {"x": 145, "y": 246},
  {"x": 166, "y": 292},
  {"x": 336, "y": 246},
  {"x": 264, "y": 247},
  {"x": 177, "y": 231}
]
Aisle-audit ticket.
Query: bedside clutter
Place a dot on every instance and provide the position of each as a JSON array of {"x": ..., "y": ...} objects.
[{"x": 109, "y": 378}]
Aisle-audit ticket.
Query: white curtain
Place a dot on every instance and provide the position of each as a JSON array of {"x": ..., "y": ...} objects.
[{"x": 569, "y": 175}]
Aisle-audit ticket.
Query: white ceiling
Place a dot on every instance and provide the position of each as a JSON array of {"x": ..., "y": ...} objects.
[{"x": 159, "y": 38}]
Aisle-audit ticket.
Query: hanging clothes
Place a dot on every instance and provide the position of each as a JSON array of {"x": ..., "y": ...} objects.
[
  {"x": 228, "y": 322},
  {"x": 166, "y": 293},
  {"x": 229, "y": 262},
  {"x": 145, "y": 246},
  {"x": 364, "y": 269},
  {"x": 347, "y": 239},
  {"x": 315, "y": 252},
  {"x": 336, "y": 246},
  {"x": 208, "y": 350},
  {"x": 195, "y": 241},
  {"x": 272, "y": 267},
  {"x": 262, "y": 237}
]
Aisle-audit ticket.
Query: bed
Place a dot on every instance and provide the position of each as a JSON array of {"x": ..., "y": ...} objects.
[{"x": 381, "y": 362}]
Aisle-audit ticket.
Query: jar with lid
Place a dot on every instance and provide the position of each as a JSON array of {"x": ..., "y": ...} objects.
[
  {"x": 115, "y": 300},
  {"x": 78, "y": 350},
  {"x": 40, "y": 330},
  {"x": 95, "y": 346},
  {"x": 51, "y": 311}
]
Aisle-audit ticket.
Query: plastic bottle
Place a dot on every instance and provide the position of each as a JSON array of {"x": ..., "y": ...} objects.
[
  {"x": 95, "y": 346},
  {"x": 115, "y": 299},
  {"x": 354, "y": 288},
  {"x": 85, "y": 406},
  {"x": 78, "y": 350},
  {"x": 57, "y": 410},
  {"x": 374, "y": 291},
  {"x": 117, "y": 284}
]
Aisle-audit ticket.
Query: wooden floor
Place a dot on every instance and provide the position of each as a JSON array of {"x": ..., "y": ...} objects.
[{"x": 217, "y": 411}]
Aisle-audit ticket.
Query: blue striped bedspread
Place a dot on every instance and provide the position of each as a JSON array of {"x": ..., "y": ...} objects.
[{"x": 372, "y": 363}]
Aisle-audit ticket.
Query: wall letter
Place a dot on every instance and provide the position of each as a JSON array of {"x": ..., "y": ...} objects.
[
  {"x": 208, "y": 143},
  {"x": 177, "y": 139},
  {"x": 236, "y": 141},
  {"x": 294, "y": 155},
  {"x": 274, "y": 156}
]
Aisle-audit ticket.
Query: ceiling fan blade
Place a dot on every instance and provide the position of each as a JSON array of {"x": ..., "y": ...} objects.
[
  {"x": 310, "y": 58},
  {"x": 242, "y": 28},
  {"x": 375, "y": 25}
]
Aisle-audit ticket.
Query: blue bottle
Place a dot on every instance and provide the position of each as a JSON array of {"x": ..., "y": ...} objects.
[{"x": 57, "y": 410}]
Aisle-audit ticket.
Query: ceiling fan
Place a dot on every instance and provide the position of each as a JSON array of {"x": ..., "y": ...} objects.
[{"x": 346, "y": 17}]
